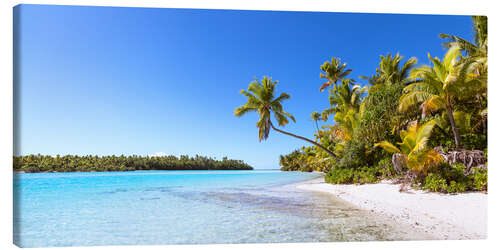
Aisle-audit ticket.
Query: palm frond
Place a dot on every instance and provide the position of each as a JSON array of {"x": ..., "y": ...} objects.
[
  {"x": 464, "y": 45},
  {"x": 281, "y": 118},
  {"x": 244, "y": 109},
  {"x": 387, "y": 146},
  {"x": 423, "y": 133},
  {"x": 412, "y": 98},
  {"x": 432, "y": 104},
  {"x": 281, "y": 98}
]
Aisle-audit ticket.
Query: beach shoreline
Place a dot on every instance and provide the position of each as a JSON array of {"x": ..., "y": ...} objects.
[{"x": 444, "y": 216}]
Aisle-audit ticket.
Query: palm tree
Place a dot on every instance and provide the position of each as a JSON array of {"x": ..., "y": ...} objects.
[
  {"x": 480, "y": 45},
  {"x": 389, "y": 70},
  {"x": 261, "y": 99},
  {"x": 345, "y": 102},
  {"x": 344, "y": 97},
  {"x": 413, "y": 147},
  {"x": 333, "y": 71},
  {"x": 439, "y": 87},
  {"x": 315, "y": 116},
  {"x": 476, "y": 52}
]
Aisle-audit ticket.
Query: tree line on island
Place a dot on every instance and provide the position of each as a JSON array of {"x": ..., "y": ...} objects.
[
  {"x": 94, "y": 163},
  {"x": 424, "y": 125}
]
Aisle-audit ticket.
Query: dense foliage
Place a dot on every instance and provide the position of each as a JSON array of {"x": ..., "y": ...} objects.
[
  {"x": 453, "y": 179},
  {"x": 74, "y": 163},
  {"x": 401, "y": 116},
  {"x": 361, "y": 175},
  {"x": 380, "y": 119}
]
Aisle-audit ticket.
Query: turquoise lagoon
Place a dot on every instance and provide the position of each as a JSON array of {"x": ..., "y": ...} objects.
[{"x": 186, "y": 207}]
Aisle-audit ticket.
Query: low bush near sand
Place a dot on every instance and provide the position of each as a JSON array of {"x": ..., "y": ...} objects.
[
  {"x": 453, "y": 179},
  {"x": 445, "y": 178},
  {"x": 350, "y": 176},
  {"x": 342, "y": 175}
]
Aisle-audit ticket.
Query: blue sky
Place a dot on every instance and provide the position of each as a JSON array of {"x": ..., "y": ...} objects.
[{"x": 103, "y": 80}]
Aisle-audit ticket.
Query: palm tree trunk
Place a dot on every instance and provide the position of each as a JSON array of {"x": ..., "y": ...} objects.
[
  {"x": 305, "y": 139},
  {"x": 449, "y": 110}
]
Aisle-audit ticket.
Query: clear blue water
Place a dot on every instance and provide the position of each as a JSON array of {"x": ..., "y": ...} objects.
[{"x": 185, "y": 207}]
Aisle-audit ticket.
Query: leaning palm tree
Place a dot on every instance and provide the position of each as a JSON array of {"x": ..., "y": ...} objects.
[
  {"x": 333, "y": 72},
  {"x": 261, "y": 99},
  {"x": 438, "y": 87}
]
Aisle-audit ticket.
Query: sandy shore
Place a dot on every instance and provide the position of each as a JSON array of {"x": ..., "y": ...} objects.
[{"x": 461, "y": 216}]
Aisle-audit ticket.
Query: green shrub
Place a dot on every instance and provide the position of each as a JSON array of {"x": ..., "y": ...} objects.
[
  {"x": 362, "y": 175},
  {"x": 355, "y": 155},
  {"x": 469, "y": 141},
  {"x": 480, "y": 179},
  {"x": 474, "y": 141},
  {"x": 381, "y": 114},
  {"x": 452, "y": 179},
  {"x": 435, "y": 182},
  {"x": 340, "y": 176},
  {"x": 457, "y": 187},
  {"x": 385, "y": 168},
  {"x": 366, "y": 175}
]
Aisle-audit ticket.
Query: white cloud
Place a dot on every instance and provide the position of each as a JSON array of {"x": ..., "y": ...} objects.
[{"x": 157, "y": 154}]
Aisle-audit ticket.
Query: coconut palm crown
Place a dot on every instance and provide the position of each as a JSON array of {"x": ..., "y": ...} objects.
[
  {"x": 480, "y": 45},
  {"x": 438, "y": 87},
  {"x": 333, "y": 72},
  {"x": 315, "y": 116},
  {"x": 390, "y": 71},
  {"x": 261, "y": 99}
]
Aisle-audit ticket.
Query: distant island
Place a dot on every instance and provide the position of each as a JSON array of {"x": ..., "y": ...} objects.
[{"x": 93, "y": 163}]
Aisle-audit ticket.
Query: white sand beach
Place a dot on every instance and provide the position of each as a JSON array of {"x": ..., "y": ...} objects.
[{"x": 445, "y": 216}]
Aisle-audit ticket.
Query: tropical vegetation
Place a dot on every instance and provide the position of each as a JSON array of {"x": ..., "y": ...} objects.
[
  {"x": 94, "y": 163},
  {"x": 413, "y": 148},
  {"x": 423, "y": 124}
]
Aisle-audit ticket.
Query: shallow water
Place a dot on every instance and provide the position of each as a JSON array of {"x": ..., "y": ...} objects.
[{"x": 186, "y": 207}]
